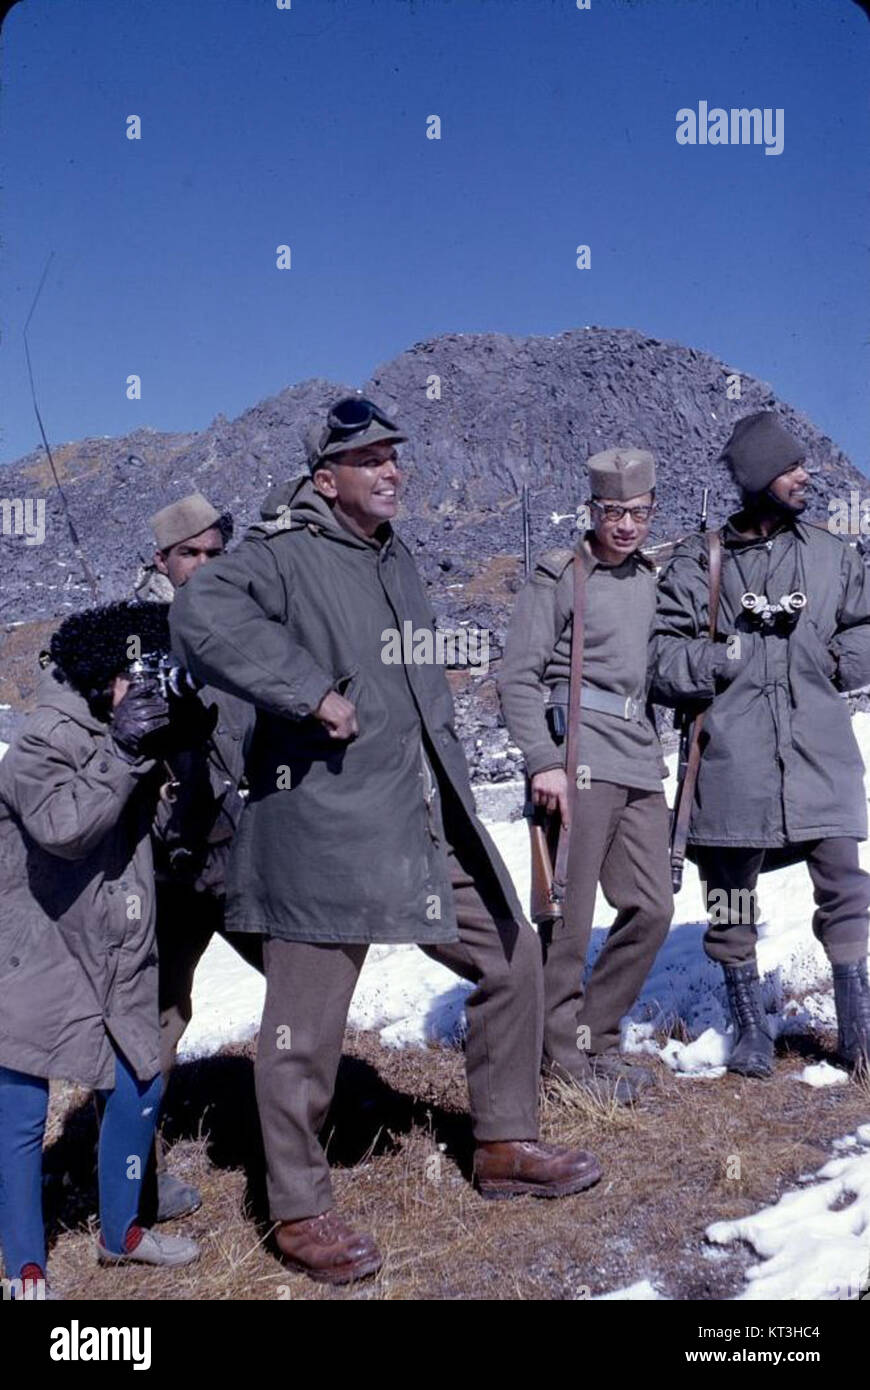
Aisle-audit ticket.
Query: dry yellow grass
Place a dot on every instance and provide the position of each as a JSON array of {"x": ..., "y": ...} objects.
[{"x": 400, "y": 1145}]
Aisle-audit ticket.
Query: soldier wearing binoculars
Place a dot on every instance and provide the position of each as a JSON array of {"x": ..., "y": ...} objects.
[{"x": 780, "y": 776}]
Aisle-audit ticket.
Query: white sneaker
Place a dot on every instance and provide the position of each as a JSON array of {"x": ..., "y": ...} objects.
[{"x": 153, "y": 1249}]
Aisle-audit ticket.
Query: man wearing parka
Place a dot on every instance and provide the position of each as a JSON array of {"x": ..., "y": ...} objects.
[
  {"x": 360, "y": 828},
  {"x": 78, "y": 966},
  {"x": 192, "y": 849},
  {"x": 780, "y": 775}
]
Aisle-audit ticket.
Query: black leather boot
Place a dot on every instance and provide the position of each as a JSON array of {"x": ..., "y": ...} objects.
[
  {"x": 852, "y": 998},
  {"x": 752, "y": 1053}
]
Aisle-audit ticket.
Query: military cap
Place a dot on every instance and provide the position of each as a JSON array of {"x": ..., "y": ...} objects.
[
  {"x": 180, "y": 520},
  {"x": 621, "y": 473},
  {"x": 322, "y": 441},
  {"x": 760, "y": 448}
]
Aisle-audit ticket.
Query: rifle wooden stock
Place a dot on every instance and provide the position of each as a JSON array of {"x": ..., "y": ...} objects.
[{"x": 542, "y": 906}]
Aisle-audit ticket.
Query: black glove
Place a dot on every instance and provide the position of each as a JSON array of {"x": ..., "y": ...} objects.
[{"x": 139, "y": 719}]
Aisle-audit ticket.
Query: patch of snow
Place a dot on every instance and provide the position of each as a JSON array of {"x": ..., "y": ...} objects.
[
  {"x": 411, "y": 1000},
  {"x": 228, "y": 997},
  {"x": 814, "y": 1242},
  {"x": 823, "y": 1074},
  {"x": 641, "y": 1292}
]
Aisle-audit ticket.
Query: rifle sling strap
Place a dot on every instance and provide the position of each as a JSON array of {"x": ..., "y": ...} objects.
[
  {"x": 572, "y": 746},
  {"x": 686, "y": 794}
]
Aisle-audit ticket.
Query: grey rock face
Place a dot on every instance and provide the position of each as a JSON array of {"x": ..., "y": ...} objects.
[{"x": 485, "y": 413}]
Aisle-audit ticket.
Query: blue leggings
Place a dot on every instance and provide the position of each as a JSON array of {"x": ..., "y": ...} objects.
[{"x": 126, "y": 1136}]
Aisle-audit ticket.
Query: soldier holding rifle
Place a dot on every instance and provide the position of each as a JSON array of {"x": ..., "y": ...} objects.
[{"x": 579, "y": 639}]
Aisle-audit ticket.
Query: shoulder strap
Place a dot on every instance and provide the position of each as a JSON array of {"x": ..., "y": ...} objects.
[
  {"x": 572, "y": 749},
  {"x": 714, "y": 555}
]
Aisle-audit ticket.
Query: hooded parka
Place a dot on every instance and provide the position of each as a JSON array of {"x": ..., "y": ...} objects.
[
  {"x": 78, "y": 964},
  {"x": 779, "y": 761},
  {"x": 339, "y": 842}
]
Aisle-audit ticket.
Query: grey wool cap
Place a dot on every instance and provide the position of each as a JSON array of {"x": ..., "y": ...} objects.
[
  {"x": 760, "y": 448},
  {"x": 621, "y": 473},
  {"x": 180, "y": 520}
]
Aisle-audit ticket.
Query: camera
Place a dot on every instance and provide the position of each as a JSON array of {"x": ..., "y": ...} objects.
[{"x": 171, "y": 679}]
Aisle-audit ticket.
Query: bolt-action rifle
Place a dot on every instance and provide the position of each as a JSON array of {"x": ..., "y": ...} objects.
[
  {"x": 547, "y": 835},
  {"x": 690, "y": 718}
]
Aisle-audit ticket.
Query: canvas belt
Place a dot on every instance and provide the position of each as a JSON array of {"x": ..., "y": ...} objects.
[{"x": 602, "y": 702}]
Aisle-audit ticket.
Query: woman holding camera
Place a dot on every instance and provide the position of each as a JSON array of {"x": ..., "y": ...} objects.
[{"x": 79, "y": 788}]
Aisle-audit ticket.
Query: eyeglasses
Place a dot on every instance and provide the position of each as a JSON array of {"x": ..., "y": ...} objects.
[
  {"x": 351, "y": 416},
  {"x": 611, "y": 512}
]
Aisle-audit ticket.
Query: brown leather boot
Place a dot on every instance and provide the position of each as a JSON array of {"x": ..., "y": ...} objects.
[
  {"x": 517, "y": 1168},
  {"x": 326, "y": 1249}
]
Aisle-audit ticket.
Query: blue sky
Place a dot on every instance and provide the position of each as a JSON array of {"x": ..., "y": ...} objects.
[{"x": 307, "y": 126}]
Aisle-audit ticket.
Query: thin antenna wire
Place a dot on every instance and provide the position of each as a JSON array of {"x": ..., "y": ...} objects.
[{"x": 77, "y": 547}]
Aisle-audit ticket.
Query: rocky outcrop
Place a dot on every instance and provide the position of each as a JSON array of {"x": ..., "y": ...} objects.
[{"x": 485, "y": 413}]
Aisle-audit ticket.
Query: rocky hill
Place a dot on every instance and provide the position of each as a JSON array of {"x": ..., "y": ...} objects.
[{"x": 485, "y": 413}]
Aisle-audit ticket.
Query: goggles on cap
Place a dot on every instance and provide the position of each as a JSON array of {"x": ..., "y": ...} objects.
[{"x": 351, "y": 416}]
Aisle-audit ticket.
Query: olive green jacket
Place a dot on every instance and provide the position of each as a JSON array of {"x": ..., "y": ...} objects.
[
  {"x": 619, "y": 612},
  {"x": 78, "y": 962},
  {"x": 779, "y": 761},
  {"x": 338, "y": 841}
]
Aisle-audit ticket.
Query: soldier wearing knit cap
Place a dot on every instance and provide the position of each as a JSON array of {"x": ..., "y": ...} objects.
[
  {"x": 619, "y": 825},
  {"x": 780, "y": 777},
  {"x": 191, "y": 892},
  {"x": 760, "y": 450}
]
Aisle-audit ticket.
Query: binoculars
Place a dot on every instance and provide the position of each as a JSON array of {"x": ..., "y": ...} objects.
[{"x": 788, "y": 609}]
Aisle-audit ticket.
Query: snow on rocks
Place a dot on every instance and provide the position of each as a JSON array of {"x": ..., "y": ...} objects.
[{"x": 814, "y": 1242}]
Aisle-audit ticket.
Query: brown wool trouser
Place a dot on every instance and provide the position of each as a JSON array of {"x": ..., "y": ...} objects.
[
  {"x": 841, "y": 890},
  {"x": 186, "y": 923},
  {"x": 308, "y": 992},
  {"x": 619, "y": 838}
]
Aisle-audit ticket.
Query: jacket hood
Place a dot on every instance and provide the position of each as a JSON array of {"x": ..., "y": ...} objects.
[
  {"x": 733, "y": 536},
  {"x": 53, "y": 694},
  {"x": 297, "y": 504}
]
